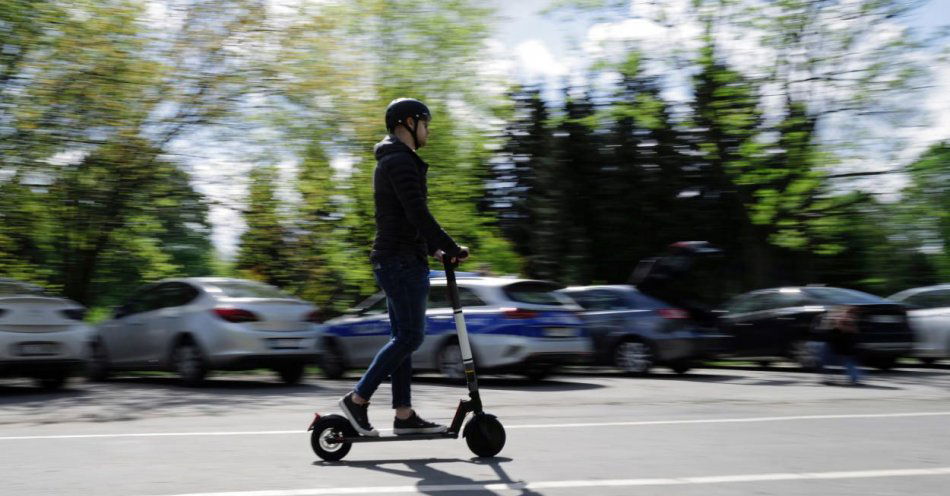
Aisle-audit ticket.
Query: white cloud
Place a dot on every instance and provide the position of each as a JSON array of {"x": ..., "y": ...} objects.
[
  {"x": 606, "y": 39},
  {"x": 935, "y": 125},
  {"x": 536, "y": 61},
  {"x": 162, "y": 17},
  {"x": 497, "y": 67}
]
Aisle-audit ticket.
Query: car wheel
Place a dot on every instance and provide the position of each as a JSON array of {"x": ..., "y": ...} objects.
[
  {"x": 291, "y": 374},
  {"x": 807, "y": 354},
  {"x": 634, "y": 357},
  {"x": 681, "y": 366},
  {"x": 332, "y": 362},
  {"x": 53, "y": 380},
  {"x": 190, "y": 364},
  {"x": 450, "y": 362},
  {"x": 537, "y": 372},
  {"x": 98, "y": 369}
]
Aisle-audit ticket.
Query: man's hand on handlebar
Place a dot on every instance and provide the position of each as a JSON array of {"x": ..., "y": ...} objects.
[{"x": 461, "y": 257}]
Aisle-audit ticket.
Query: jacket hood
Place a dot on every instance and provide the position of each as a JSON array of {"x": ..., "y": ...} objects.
[{"x": 390, "y": 144}]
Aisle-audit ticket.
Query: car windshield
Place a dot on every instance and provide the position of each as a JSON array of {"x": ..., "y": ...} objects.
[
  {"x": 537, "y": 293},
  {"x": 248, "y": 289},
  {"x": 11, "y": 288},
  {"x": 844, "y": 296}
]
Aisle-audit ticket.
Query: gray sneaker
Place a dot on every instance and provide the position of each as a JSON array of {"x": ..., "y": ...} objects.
[{"x": 357, "y": 414}]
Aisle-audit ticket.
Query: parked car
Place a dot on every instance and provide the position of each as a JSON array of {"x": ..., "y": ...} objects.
[
  {"x": 782, "y": 323},
  {"x": 194, "y": 325},
  {"x": 41, "y": 335},
  {"x": 514, "y": 325},
  {"x": 634, "y": 332},
  {"x": 928, "y": 310}
]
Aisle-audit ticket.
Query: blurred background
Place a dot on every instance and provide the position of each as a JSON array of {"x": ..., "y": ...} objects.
[{"x": 146, "y": 139}]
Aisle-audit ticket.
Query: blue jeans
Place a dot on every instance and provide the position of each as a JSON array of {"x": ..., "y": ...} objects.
[
  {"x": 849, "y": 362},
  {"x": 405, "y": 279}
]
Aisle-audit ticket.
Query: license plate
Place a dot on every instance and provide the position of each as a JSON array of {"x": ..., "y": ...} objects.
[
  {"x": 887, "y": 319},
  {"x": 560, "y": 332},
  {"x": 285, "y": 343},
  {"x": 38, "y": 349}
]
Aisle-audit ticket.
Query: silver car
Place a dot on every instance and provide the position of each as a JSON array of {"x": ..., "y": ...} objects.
[
  {"x": 41, "y": 336},
  {"x": 194, "y": 325},
  {"x": 514, "y": 325},
  {"x": 929, "y": 317}
]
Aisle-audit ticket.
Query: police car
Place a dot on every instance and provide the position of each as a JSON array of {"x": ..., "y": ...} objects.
[{"x": 515, "y": 325}]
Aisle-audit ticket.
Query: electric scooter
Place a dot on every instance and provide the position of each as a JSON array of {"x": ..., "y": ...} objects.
[{"x": 332, "y": 436}]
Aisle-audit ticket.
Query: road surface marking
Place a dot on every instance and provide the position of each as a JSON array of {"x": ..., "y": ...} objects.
[
  {"x": 521, "y": 486},
  {"x": 509, "y": 427}
]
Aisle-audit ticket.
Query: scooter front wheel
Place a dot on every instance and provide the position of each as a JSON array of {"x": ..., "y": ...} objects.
[
  {"x": 326, "y": 431},
  {"x": 485, "y": 435}
]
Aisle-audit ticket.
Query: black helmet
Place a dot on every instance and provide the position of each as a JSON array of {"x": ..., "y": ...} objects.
[{"x": 402, "y": 108}]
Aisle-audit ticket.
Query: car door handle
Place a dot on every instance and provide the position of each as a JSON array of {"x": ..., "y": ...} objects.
[{"x": 786, "y": 318}]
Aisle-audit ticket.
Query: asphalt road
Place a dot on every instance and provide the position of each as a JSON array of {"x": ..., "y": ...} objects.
[{"x": 728, "y": 431}]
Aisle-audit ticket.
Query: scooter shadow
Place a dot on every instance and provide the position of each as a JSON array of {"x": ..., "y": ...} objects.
[{"x": 434, "y": 481}]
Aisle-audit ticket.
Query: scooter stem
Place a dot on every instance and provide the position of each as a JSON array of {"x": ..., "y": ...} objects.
[{"x": 467, "y": 360}]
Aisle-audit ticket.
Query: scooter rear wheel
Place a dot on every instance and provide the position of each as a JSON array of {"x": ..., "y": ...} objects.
[
  {"x": 326, "y": 429},
  {"x": 485, "y": 435}
]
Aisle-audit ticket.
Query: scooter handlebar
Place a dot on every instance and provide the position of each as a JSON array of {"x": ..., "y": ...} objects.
[{"x": 451, "y": 285}]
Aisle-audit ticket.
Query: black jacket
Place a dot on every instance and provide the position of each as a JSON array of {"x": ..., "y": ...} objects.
[{"x": 404, "y": 225}]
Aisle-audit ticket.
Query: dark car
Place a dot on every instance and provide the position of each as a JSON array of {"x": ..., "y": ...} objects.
[
  {"x": 783, "y": 323},
  {"x": 634, "y": 331}
]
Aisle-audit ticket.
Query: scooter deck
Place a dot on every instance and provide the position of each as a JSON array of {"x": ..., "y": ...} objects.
[{"x": 402, "y": 437}]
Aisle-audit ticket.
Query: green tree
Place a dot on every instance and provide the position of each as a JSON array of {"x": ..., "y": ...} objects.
[
  {"x": 639, "y": 206},
  {"x": 331, "y": 90},
  {"x": 264, "y": 250},
  {"x": 92, "y": 96},
  {"x": 512, "y": 177},
  {"x": 926, "y": 205}
]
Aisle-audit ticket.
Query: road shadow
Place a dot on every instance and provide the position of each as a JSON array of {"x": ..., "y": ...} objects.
[
  {"x": 12, "y": 391},
  {"x": 127, "y": 398},
  {"x": 843, "y": 383},
  {"x": 514, "y": 384},
  {"x": 777, "y": 367},
  {"x": 223, "y": 384},
  {"x": 431, "y": 480},
  {"x": 663, "y": 375}
]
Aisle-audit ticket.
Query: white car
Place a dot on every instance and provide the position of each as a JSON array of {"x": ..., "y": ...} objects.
[
  {"x": 194, "y": 325},
  {"x": 514, "y": 325},
  {"x": 929, "y": 317},
  {"x": 41, "y": 335}
]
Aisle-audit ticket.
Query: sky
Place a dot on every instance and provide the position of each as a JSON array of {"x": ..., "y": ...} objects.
[{"x": 553, "y": 49}]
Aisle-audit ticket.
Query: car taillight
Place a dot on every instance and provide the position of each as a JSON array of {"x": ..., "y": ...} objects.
[
  {"x": 519, "y": 313},
  {"x": 673, "y": 313},
  {"x": 235, "y": 315},
  {"x": 315, "y": 316},
  {"x": 72, "y": 313}
]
